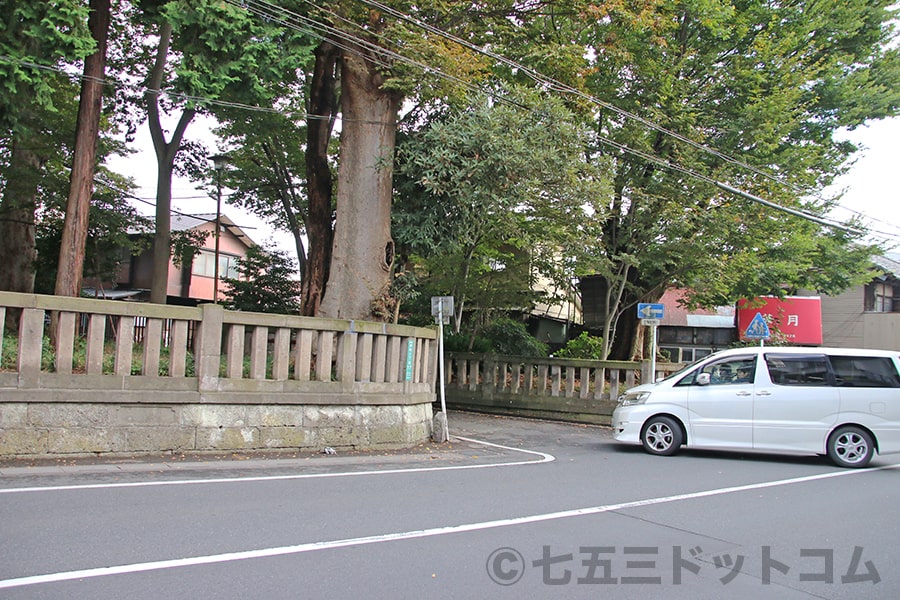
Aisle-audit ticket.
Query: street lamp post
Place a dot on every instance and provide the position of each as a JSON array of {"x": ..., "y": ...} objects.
[{"x": 219, "y": 162}]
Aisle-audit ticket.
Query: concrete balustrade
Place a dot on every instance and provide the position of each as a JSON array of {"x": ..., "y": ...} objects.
[
  {"x": 142, "y": 378},
  {"x": 582, "y": 391}
]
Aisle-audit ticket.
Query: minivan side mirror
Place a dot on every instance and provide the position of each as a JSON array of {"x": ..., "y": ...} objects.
[{"x": 702, "y": 379}]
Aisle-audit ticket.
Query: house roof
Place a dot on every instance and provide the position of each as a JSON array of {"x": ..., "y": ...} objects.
[
  {"x": 91, "y": 292},
  {"x": 890, "y": 266},
  {"x": 186, "y": 222}
]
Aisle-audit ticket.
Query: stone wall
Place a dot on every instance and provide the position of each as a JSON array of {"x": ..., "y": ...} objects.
[{"x": 44, "y": 430}]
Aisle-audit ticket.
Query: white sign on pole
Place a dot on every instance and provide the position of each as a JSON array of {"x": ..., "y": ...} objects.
[
  {"x": 442, "y": 306},
  {"x": 651, "y": 316}
]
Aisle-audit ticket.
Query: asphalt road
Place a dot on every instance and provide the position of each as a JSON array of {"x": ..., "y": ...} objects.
[{"x": 550, "y": 510}]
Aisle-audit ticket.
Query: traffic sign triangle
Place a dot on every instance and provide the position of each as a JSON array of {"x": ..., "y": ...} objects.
[{"x": 758, "y": 329}]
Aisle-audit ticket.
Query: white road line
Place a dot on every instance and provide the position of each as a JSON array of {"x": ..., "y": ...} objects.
[
  {"x": 408, "y": 535},
  {"x": 543, "y": 458}
]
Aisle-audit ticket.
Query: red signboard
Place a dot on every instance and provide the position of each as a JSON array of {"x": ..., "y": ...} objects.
[{"x": 796, "y": 318}]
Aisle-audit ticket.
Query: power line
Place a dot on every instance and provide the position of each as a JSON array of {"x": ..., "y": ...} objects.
[
  {"x": 353, "y": 44},
  {"x": 557, "y": 86},
  {"x": 201, "y": 100},
  {"x": 746, "y": 195},
  {"x": 130, "y": 196}
]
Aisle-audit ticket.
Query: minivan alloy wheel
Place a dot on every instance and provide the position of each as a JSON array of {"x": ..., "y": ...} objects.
[
  {"x": 662, "y": 435},
  {"x": 851, "y": 447}
]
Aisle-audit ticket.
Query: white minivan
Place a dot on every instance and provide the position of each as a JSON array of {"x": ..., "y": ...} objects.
[{"x": 839, "y": 402}]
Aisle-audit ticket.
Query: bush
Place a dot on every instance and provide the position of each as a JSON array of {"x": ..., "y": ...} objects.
[
  {"x": 459, "y": 342},
  {"x": 585, "y": 346},
  {"x": 512, "y": 338},
  {"x": 503, "y": 336}
]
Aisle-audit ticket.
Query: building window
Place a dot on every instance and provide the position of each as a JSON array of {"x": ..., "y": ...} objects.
[
  {"x": 683, "y": 355},
  {"x": 882, "y": 298},
  {"x": 687, "y": 344},
  {"x": 205, "y": 265}
]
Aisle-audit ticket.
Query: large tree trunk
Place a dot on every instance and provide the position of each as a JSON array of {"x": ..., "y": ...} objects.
[
  {"x": 165, "y": 157},
  {"x": 323, "y": 105},
  {"x": 623, "y": 346},
  {"x": 363, "y": 250},
  {"x": 74, "y": 235},
  {"x": 17, "y": 207}
]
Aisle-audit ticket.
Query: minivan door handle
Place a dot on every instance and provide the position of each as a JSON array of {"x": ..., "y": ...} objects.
[
  {"x": 743, "y": 393},
  {"x": 764, "y": 393}
]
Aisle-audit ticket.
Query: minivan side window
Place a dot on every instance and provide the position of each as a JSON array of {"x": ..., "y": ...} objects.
[
  {"x": 727, "y": 371},
  {"x": 797, "y": 369},
  {"x": 865, "y": 371}
]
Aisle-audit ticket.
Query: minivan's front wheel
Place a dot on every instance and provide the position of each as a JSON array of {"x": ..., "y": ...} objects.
[
  {"x": 662, "y": 436},
  {"x": 851, "y": 446}
]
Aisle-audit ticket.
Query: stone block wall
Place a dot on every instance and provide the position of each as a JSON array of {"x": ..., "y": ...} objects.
[{"x": 41, "y": 429}]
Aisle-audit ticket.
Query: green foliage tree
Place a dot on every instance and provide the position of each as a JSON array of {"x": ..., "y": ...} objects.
[
  {"x": 504, "y": 335},
  {"x": 768, "y": 83},
  {"x": 45, "y": 183},
  {"x": 37, "y": 39},
  {"x": 204, "y": 50},
  {"x": 263, "y": 134},
  {"x": 366, "y": 39},
  {"x": 491, "y": 197},
  {"x": 265, "y": 284},
  {"x": 267, "y": 170}
]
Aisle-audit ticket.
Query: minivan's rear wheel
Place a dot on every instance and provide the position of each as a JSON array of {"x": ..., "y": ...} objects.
[
  {"x": 662, "y": 436},
  {"x": 851, "y": 446}
]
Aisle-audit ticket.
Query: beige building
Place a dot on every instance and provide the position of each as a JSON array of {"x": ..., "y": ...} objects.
[{"x": 866, "y": 316}]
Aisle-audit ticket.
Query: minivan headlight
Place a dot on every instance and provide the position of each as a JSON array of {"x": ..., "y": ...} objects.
[{"x": 628, "y": 399}]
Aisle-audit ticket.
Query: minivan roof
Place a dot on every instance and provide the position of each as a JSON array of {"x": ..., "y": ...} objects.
[{"x": 808, "y": 350}]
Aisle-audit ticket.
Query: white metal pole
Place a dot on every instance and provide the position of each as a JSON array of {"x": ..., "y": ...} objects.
[
  {"x": 653, "y": 354},
  {"x": 441, "y": 365}
]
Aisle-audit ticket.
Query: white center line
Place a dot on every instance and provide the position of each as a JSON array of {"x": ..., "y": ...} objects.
[{"x": 408, "y": 535}]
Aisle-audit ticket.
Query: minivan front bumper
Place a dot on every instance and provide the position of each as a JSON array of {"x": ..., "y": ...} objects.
[{"x": 627, "y": 425}]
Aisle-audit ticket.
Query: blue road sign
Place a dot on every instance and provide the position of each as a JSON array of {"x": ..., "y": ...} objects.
[
  {"x": 758, "y": 329},
  {"x": 651, "y": 311}
]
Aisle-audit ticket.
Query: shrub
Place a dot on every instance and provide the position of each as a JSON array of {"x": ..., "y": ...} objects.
[
  {"x": 512, "y": 338},
  {"x": 459, "y": 342},
  {"x": 584, "y": 347}
]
